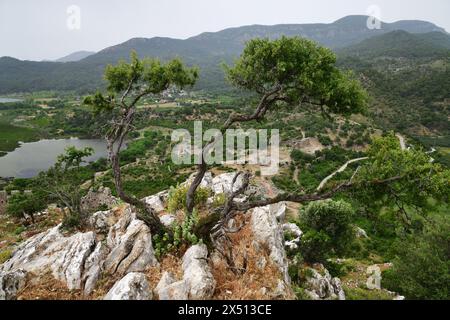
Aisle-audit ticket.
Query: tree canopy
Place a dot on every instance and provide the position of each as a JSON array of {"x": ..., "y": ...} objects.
[{"x": 297, "y": 70}]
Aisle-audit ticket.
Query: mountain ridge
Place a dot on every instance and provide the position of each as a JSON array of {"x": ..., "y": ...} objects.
[{"x": 206, "y": 50}]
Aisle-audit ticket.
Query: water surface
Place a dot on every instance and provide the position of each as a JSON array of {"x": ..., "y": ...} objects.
[{"x": 31, "y": 158}]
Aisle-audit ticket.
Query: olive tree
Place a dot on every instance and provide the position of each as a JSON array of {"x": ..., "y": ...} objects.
[{"x": 128, "y": 83}]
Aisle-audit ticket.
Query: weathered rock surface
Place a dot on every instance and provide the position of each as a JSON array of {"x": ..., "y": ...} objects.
[
  {"x": 130, "y": 244},
  {"x": 321, "y": 286},
  {"x": 294, "y": 231},
  {"x": 156, "y": 202},
  {"x": 10, "y": 283},
  {"x": 64, "y": 257},
  {"x": 134, "y": 286},
  {"x": 268, "y": 234},
  {"x": 197, "y": 273},
  {"x": 167, "y": 220},
  {"x": 170, "y": 289},
  {"x": 79, "y": 260}
]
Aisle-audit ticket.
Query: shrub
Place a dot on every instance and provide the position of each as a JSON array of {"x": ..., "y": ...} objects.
[
  {"x": 5, "y": 255},
  {"x": 328, "y": 229},
  {"x": 177, "y": 197},
  {"x": 421, "y": 268},
  {"x": 182, "y": 235}
]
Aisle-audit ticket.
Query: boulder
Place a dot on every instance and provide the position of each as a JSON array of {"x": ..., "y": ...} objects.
[
  {"x": 156, "y": 202},
  {"x": 170, "y": 289},
  {"x": 11, "y": 283},
  {"x": 268, "y": 234},
  {"x": 223, "y": 183},
  {"x": 134, "y": 286},
  {"x": 167, "y": 220},
  {"x": 197, "y": 273}
]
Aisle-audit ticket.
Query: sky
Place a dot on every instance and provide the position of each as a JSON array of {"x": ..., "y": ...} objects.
[{"x": 50, "y": 29}]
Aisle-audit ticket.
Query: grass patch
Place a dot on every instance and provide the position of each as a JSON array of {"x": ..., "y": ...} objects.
[{"x": 10, "y": 136}]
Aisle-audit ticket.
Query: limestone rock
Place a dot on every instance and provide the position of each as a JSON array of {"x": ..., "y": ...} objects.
[
  {"x": 268, "y": 234},
  {"x": 93, "y": 267},
  {"x": 170, "y": 289},
  {"x": 11, "y": 283},
  {"x": 167, "y": 220},
  {"x": 294, "y": 231},
  {"x": 223, "y": 183},
  {"x": 50, "y": 251},
  {"x": 134, "y": 286},
  {"x": 156, "y": 202},
  {"x": 130, "y": 244},
  {"x": 321, "y": 286},
  {"x": 197, "y": 273}
]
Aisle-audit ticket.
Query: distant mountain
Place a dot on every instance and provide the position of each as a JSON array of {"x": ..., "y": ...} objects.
[
  {"x": 401, "y": 44},
  {"x": 76, "y": 56},
  {"x": 206, "y": 50}
]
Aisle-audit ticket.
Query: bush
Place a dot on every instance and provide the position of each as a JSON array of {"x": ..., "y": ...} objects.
[
  {"x": 421, "y": 268},
  {"x": 5, "y": 255},
  {"x": 183, "y": 235},
  {"x": 328, "y": 230},
  {"x": 177, "y": 197}
]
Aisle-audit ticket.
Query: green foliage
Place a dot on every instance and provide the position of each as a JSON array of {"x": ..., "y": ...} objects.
[
  {"x": 61, "y": 183},
  {"x": 422, "y": 265},
  {"x": 299, "y": 68},
  {"x": 327, "y": 230},
  {"x": 11, "y": 135},
  {"x": 182, "y": 235},
  {"x": 177, "y": 197},
  {"x": 415, "y": 177},
  {"x": 5, "y": 255},
  {"x": 21, "y": 204},
  {"x": 150, "y": 76},
  {"x": 366, "y": 294}
]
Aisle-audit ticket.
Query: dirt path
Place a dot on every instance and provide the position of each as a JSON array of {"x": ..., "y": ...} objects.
[
  {"x": 341, "y": 169},
  {"x": 402, "y": 141}
]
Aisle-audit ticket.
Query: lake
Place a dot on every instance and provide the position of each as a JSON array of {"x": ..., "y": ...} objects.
[
  {"x": 5, "y": 100},
  {"x": 31, "y": 158}
]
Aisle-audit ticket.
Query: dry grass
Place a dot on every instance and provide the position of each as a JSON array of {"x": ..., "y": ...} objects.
[
  {"x": 169, "y": 263},
  {"x": 48, "y": 288},
  {"x": 249, "y": 285}
]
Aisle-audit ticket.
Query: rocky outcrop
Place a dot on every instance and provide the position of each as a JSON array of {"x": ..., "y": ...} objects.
[
  {"x": 269, "y": 236},
  {"x": 79, "y": 260},
  {"x": 51, "y": 251},
  {"x": 130, "y": 244},
  {"x": 197, "y": 273},
  {"x": 321, "y": 286},
  {"x": 134, "y": 286},
  {"x": 11, "y": 283}
]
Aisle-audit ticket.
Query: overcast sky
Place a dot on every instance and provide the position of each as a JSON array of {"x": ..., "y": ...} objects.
[{"x": 44, "y": 29}]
